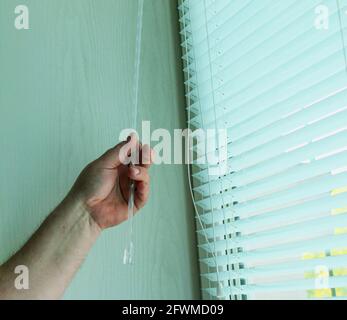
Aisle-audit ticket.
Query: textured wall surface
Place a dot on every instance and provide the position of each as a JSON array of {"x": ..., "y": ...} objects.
[{"x": 65, "y": 94}]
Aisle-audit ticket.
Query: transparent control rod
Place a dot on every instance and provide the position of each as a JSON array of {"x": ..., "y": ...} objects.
[{"x": 128, "y": 257}]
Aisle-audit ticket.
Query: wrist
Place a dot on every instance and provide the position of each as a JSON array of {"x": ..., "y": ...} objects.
[{"x": 80, "y": 213}]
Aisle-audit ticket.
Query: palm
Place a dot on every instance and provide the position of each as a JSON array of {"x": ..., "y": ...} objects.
[
  {"x": 104, "y": 186},
  {"x": 108, "y": 196}
]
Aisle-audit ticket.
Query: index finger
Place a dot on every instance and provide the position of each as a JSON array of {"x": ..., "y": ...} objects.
[{"x": 147, "y": 156}]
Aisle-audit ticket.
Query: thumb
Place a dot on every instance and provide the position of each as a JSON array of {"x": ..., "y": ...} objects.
[{"x": 120, "y": 154}]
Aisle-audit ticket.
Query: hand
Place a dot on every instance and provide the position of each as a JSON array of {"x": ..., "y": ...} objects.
[{"x": 104, "y": 184}]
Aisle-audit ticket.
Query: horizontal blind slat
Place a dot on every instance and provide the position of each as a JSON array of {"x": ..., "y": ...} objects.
[
  {"x": 284, "y": 252},
  {"x": 308, "y": 208}
]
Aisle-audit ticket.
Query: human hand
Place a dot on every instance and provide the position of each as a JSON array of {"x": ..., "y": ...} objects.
[{"x": 103, "y": 186}]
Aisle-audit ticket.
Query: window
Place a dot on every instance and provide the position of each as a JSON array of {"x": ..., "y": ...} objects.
[{"x": 273, "y": 75}]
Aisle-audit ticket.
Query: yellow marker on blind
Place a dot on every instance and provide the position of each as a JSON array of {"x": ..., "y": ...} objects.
[
  {"x": 313, "y": 255},
  {"x": 338, "y": 211},
  {"x": 341, "y": 230},
  {"x": 341, "y": 292},
  {"x": 339, "y": 272},
  {"x": 337, "y": 191},
  {"x": 338, "y": 251},
  {"x": 328, "y": 292},
  {"x": 320, "y": 293}
]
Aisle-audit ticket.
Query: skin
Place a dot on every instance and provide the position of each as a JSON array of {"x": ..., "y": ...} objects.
[{"x": 98, "y": 200}]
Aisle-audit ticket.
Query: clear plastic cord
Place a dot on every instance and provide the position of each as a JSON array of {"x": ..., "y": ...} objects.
[{"x": 128, "y": 257}]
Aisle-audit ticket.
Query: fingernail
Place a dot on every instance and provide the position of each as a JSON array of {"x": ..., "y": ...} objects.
[{"x": 136, "y": 171}]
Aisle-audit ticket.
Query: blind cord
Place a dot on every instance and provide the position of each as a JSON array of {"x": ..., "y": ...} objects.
[{"x": 128, "y": 256}]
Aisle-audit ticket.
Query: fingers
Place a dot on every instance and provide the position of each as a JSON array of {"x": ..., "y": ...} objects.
[
  {"x": 120, "y": 153},
  {"x": 138, "y": 173},
  {"x": 141, "y": 177},
  {"x": 147, "y": 156},
  {"x": 141, "y": 194},
  {"x": 126, "y": 152}
]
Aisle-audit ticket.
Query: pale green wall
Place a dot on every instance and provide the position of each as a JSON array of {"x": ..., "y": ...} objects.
[{"x": 65, "y": 92}]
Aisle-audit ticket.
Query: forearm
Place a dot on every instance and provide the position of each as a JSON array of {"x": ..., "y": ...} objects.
[
  {"x": 53, "y": 254},
  {"x": 57, "y": 249}
]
